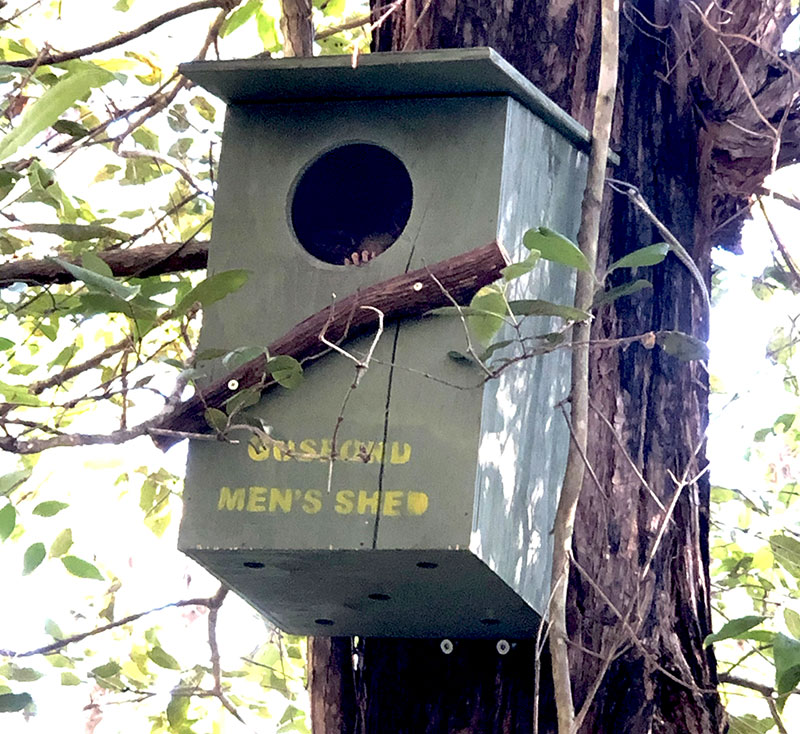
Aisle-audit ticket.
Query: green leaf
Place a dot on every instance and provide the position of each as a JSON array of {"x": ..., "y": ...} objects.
[
  {"x": 71, "y": 128},
  {"x": 96, "y": 264},
  {"x": 49, "y": 508},
  {"x": 489, "y": 308},
  {"x": 546, "y": 308},
  {"x": 554, "y": 246},
  {"x": 52, "y": 629},
  {"x": 265, "y": 25},
  {"x": 216, "y": 419},
  {"x": 70, "y": 679},
  {"x": 643, "y": 257},
  {"x": 285, "y": 370},
  {"x": 515, "y": 270},
  {"x": 749, "y": 724},
  {"x": 626, "y": 289},
  {"x": 146, "y": 138},
  {"x": 82, "y": 569},
  {"x": 9, "y": 482},
  {"x": 177, "y": 709},
  {"x": 34, "y": 555},
  {"x": 79, "y": 232},
  {"x": 239, "y": 17},
  {"x": 242, "y": 355},
  {"x": 213, "y": 289},
  {"x": 107, "y": 172},
  {"x": 107, "y": 670},
  {"x": 100, "y": 282},
  {"x": 785, "y": 421},
  {"x": 55, "y": 101},
  {"x": 761, "y": 434},
  {"x": 11, "y": 702},
  {"x": 204, "y": 108},
  {"x": 142, "y": 170},
  {"x": 492, "y": 348},
  {"x": 786, "y": 654},
  {"x": 61, "y": 544},
  {"x": 65, "y": 355},
  {"x": 792, "y": 619},
  {"x": 682, "y": 346},
  {"x": 180, "y": 147},
  {"x": 460, "y": 358},
  {"x": 8, "y": 521},
  {"x": 733, "y": 629},
  {"x": 23, "y": 675},
  {"x": 163, "y": 659},
  {"x": 5, "y": 343},
  {"x": 19, "y": 395},
  {"x": 242, "y": 400},
  {"x": 787, "y": 553}
]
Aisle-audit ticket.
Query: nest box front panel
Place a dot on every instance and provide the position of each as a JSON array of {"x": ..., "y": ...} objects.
[{"x": 280, "y": 496}]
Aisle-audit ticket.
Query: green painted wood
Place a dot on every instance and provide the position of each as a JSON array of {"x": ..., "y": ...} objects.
[
  {"x": 434, "y": 467},
  {"x": 435, "y": 73}
]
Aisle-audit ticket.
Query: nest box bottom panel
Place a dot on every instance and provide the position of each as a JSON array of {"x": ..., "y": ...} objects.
[{"x": 377, "y": 593}]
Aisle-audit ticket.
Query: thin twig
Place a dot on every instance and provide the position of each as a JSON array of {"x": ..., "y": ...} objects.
[
  {"x": 470, "y": 347},
  {"x": 627, "y": 456},
  {"x": 61, "y": 644},
  {"x": 787, "y": 258},
  {"x": 123, "y": 38},
  {"x": 588, "y": 237}
]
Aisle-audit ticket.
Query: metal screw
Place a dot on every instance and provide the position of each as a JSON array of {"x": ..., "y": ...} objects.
[
  {"x": 446, "y": 646},
  {"x": 233, "y": 385},
  {"x": 503, "y": 647},
  {"x": 417, "y": 286}
]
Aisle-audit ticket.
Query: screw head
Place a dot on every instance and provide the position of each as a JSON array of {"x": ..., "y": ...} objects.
[{"x": 446, "y": 646}]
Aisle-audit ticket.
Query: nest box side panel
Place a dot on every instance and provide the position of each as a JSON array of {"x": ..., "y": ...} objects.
[{"x": 524, "y": 437}]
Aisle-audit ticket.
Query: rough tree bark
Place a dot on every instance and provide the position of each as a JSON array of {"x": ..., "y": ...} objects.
[{"x": 688, "y": 94}]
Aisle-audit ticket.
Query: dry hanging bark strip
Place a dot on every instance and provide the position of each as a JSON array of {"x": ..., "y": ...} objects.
[{"x": 404, "y": 296}]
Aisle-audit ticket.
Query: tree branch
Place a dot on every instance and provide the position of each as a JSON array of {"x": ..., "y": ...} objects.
[
  {"x": 767, "y": 691},
  {"x": 404, "y": 296},
  {"x": 140, "y": 262},
  {"x": 297, "y": 28},
  {"x": 123, "y": 38}
]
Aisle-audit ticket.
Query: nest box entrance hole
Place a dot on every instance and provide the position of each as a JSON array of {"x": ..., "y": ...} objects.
[{"x": 351, "y": 203}]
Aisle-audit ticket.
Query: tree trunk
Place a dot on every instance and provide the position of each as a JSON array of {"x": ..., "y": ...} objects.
[{"x": 677, "y": 101}]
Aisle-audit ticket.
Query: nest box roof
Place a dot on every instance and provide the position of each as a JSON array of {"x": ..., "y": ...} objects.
[{"x": 439, "y": 73}]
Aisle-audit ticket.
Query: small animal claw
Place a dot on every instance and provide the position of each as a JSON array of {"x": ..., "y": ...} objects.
[{"x": 358, "y": 258}]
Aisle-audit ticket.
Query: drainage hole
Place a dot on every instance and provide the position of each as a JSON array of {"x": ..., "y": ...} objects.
[
  {"x": 427, "y": 564},
  {"x": 380, "y": 597},
  {"x": 253, "y": 564},
  {"x": 323, "y": 622},
  {"x": 490, "y": 621}
]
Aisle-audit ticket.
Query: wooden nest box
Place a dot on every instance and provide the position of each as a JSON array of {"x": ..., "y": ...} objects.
[{"x": 435, "y": 518}]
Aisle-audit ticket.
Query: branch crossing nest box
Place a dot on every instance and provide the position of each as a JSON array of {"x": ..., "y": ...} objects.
[{"x": 434, "y": 519}]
